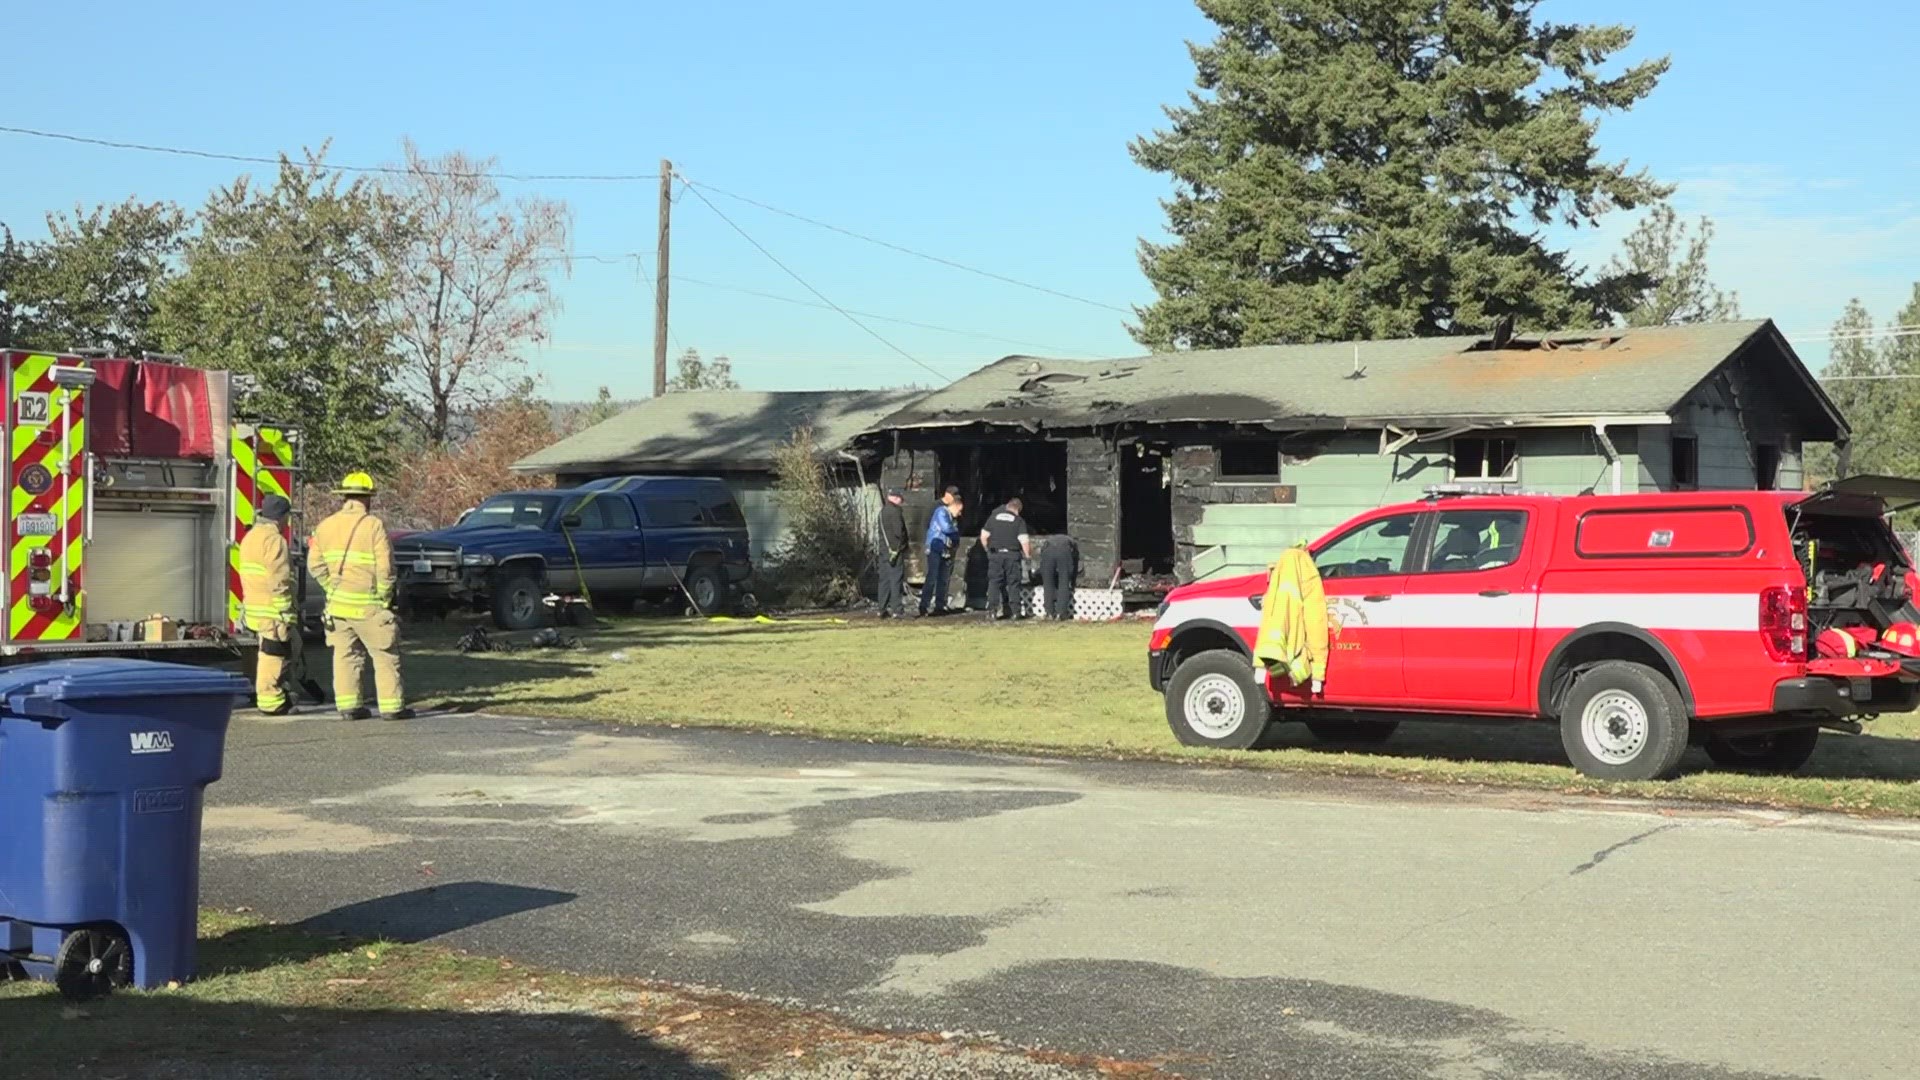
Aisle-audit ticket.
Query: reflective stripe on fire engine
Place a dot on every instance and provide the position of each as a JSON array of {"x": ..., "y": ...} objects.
[
  {"x": 262, "y": 466},
  {"x": 1700, "y": 612},
  {"x": 62, "y": 500}
]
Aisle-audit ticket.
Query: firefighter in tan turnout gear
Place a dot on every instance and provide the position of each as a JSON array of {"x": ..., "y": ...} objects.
[
  {"x": 351, "y": 559},
  {"x": 266, "y": 603}
]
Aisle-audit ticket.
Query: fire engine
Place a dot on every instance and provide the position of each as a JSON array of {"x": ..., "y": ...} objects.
[
  {"x": 1745, "y": 622},
  {"x": 130, "y": 484}
]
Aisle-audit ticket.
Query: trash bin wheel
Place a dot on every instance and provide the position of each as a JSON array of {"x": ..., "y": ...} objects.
[{"x": 92, "y": 963}]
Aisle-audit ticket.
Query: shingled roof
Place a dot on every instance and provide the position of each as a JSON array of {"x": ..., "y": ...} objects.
[
  {"x": 716, "y": 429},
  {"x": 1573, "y": 375}
]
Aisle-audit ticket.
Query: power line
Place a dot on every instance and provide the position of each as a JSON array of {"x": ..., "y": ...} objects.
[
  {"x": 384, "y": 170},
  {"x": 909, "y": 251},
  {"x": 886, "y": 318},
  {"x": 1900, "y": 331},
  {"x": 871, "y": 332}
]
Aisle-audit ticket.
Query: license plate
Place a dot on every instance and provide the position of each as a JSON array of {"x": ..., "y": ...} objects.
[
  {"x": 35, "y": 525},
  {"x": 1860, "y": 690},
  {"x": 423, "y": 566}
]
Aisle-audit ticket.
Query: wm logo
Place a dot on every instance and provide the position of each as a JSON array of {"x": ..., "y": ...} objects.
[{"x": 152, "y": 742}]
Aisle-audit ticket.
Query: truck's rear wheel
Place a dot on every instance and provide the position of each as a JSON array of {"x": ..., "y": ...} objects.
[
  {"x": 1624, "y": 721},
  {"x": 1213, "y": 700},
  {"x": 1353, "y": 731},
  {"x": 1775, "y": 752},
  {"x": 519, "y": 601}
]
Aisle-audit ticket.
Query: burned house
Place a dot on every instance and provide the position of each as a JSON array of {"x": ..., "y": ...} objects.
[{"x": 1203, "y": 463}]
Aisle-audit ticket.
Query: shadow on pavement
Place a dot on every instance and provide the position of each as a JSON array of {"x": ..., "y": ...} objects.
[
  {"x": 1839, "y": 757},
  {"x": 434, "y": 911},
  {"x": 170, "y": 1035}
]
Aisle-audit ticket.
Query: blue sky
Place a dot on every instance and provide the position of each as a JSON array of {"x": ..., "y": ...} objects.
[{"x": 992, "y": 134}]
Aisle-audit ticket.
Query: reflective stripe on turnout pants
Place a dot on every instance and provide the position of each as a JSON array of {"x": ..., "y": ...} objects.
[
  {"x": 270, "y": 672},
  {"x": 374, "y": 637}
]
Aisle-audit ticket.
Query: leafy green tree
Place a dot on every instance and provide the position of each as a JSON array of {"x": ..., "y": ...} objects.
[
  {"x": 693, "y": 373},
  {"x": 287, "y": 285},
  {"x": 1383, "y": 168},
  {"x": 1668, "y": 263},
  {"x": 92, "y": 281}
]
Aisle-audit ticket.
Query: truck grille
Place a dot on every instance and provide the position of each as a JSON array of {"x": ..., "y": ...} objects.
[{"x": 413, "y": 562}]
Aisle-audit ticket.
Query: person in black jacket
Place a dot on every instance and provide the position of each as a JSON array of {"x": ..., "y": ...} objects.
[
  {"x": 1059, "y": 565},
  {"x": 893, "y": 565},
  {"x": 1007, "y": 543}
]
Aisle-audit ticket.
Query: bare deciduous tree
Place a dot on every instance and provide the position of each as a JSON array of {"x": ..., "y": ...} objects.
[{"x": 473, "y": 287}]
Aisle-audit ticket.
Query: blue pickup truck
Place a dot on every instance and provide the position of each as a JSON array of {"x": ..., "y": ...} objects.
[{"x": 617, "y": 539}]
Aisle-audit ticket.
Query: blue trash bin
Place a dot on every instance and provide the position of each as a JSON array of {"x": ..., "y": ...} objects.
[{"x": 103, "y": 767}]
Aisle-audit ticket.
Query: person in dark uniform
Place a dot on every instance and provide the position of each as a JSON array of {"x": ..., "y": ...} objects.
[
  {"x": 1005, "y": 538},
  {"x": 893, "y": 567},
  {"x": 1059, "y": 566}
]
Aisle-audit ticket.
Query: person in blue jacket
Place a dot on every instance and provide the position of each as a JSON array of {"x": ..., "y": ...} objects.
[{"x": 943, "y": 533}]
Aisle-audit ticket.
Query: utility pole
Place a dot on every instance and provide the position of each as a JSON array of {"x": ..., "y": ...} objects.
[{"x": 661, "y": 246}]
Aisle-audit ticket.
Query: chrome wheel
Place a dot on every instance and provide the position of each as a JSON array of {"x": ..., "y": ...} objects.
[
  {"x": 525, "y": 604},
  {"x": 1214, "y": 706},
  {"x": 1614, "y": 727}
]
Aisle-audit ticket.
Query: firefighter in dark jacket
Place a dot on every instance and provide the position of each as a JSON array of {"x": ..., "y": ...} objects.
[
  {"x": 1005, "y": 538},
  {"x": 1059, "y": 566},
  {"x": 893, "y": 565}
]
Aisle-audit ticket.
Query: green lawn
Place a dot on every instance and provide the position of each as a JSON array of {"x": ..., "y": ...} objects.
[
  {"x": 279, "y": 1001},
  {"x": 1075, "y": 689}
]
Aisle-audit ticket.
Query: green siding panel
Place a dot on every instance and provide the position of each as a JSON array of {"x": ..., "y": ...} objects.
[{"x": 1350, "y": 477}]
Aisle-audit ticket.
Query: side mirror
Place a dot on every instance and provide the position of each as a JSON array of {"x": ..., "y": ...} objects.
[{"x": 571, "y": 521}]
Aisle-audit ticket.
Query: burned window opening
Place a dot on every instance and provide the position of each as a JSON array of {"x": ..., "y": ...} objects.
[
  {"x": 1486, "y": 459},
  {"x": 1686, "y": 462},
  {"x": 991, "y": 473},
  {"x": 1250, "y": 460}
]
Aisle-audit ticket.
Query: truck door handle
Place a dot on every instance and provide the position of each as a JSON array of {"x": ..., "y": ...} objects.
[
  {"x": 1493, "y": 592},
  {"x": 1377, "y": 598}
]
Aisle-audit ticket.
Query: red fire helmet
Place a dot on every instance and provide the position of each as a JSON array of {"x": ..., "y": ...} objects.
[{"x": 1902, "y": 638}]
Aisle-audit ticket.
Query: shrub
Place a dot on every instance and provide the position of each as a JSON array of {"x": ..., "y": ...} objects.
[{"x": 826, "y": 553}]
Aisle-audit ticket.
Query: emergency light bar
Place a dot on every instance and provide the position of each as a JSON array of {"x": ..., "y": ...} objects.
[
  {"x": 74, "y": 378},
  {"x": 1443, "y": 491}
]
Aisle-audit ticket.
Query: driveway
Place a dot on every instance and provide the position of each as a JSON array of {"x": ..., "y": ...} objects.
[{"x": 1230, "y": 923}]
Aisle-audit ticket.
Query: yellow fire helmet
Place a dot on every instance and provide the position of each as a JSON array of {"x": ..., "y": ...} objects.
[{"x": 356, "y": 483}]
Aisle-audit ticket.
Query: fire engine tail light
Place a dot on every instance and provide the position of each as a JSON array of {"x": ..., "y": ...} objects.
[
  {"x": 1160, "y": 639},
  {"x": 1783, "y": 623}
]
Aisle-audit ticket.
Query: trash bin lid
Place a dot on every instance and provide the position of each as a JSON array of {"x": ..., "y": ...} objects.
[{"x": 42, "y": 690}]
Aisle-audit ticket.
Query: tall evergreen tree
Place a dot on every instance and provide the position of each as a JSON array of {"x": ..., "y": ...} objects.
[
  {"x": 1668, "y": 263},
  {"x": 1874, "y": 378},
  {"x": 1383, "y": 168}
]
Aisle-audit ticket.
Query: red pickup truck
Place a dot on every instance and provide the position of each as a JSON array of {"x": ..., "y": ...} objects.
[{"x": 1640, "y": 624}]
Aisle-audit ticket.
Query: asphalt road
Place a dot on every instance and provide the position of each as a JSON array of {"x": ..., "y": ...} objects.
[{"x": 1232, "y": 923}]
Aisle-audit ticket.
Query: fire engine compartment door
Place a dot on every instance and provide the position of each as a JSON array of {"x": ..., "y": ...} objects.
[{"x": 152, "y": 561}]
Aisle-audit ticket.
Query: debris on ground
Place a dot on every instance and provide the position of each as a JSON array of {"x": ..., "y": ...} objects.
[{"x": 478, "y": 640}]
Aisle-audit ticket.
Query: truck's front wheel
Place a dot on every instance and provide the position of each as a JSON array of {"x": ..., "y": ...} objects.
[
  {"x": 1624, "y": 721},
  {"x": 1776, "y": 752},
  {"x": 707, "y": 588},
  {"x": 1213, "y": 700},
  {"x": 519, "y": 601}
]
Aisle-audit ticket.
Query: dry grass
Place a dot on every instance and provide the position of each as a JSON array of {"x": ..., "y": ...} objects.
[{"x": 1077, "y": 689}]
